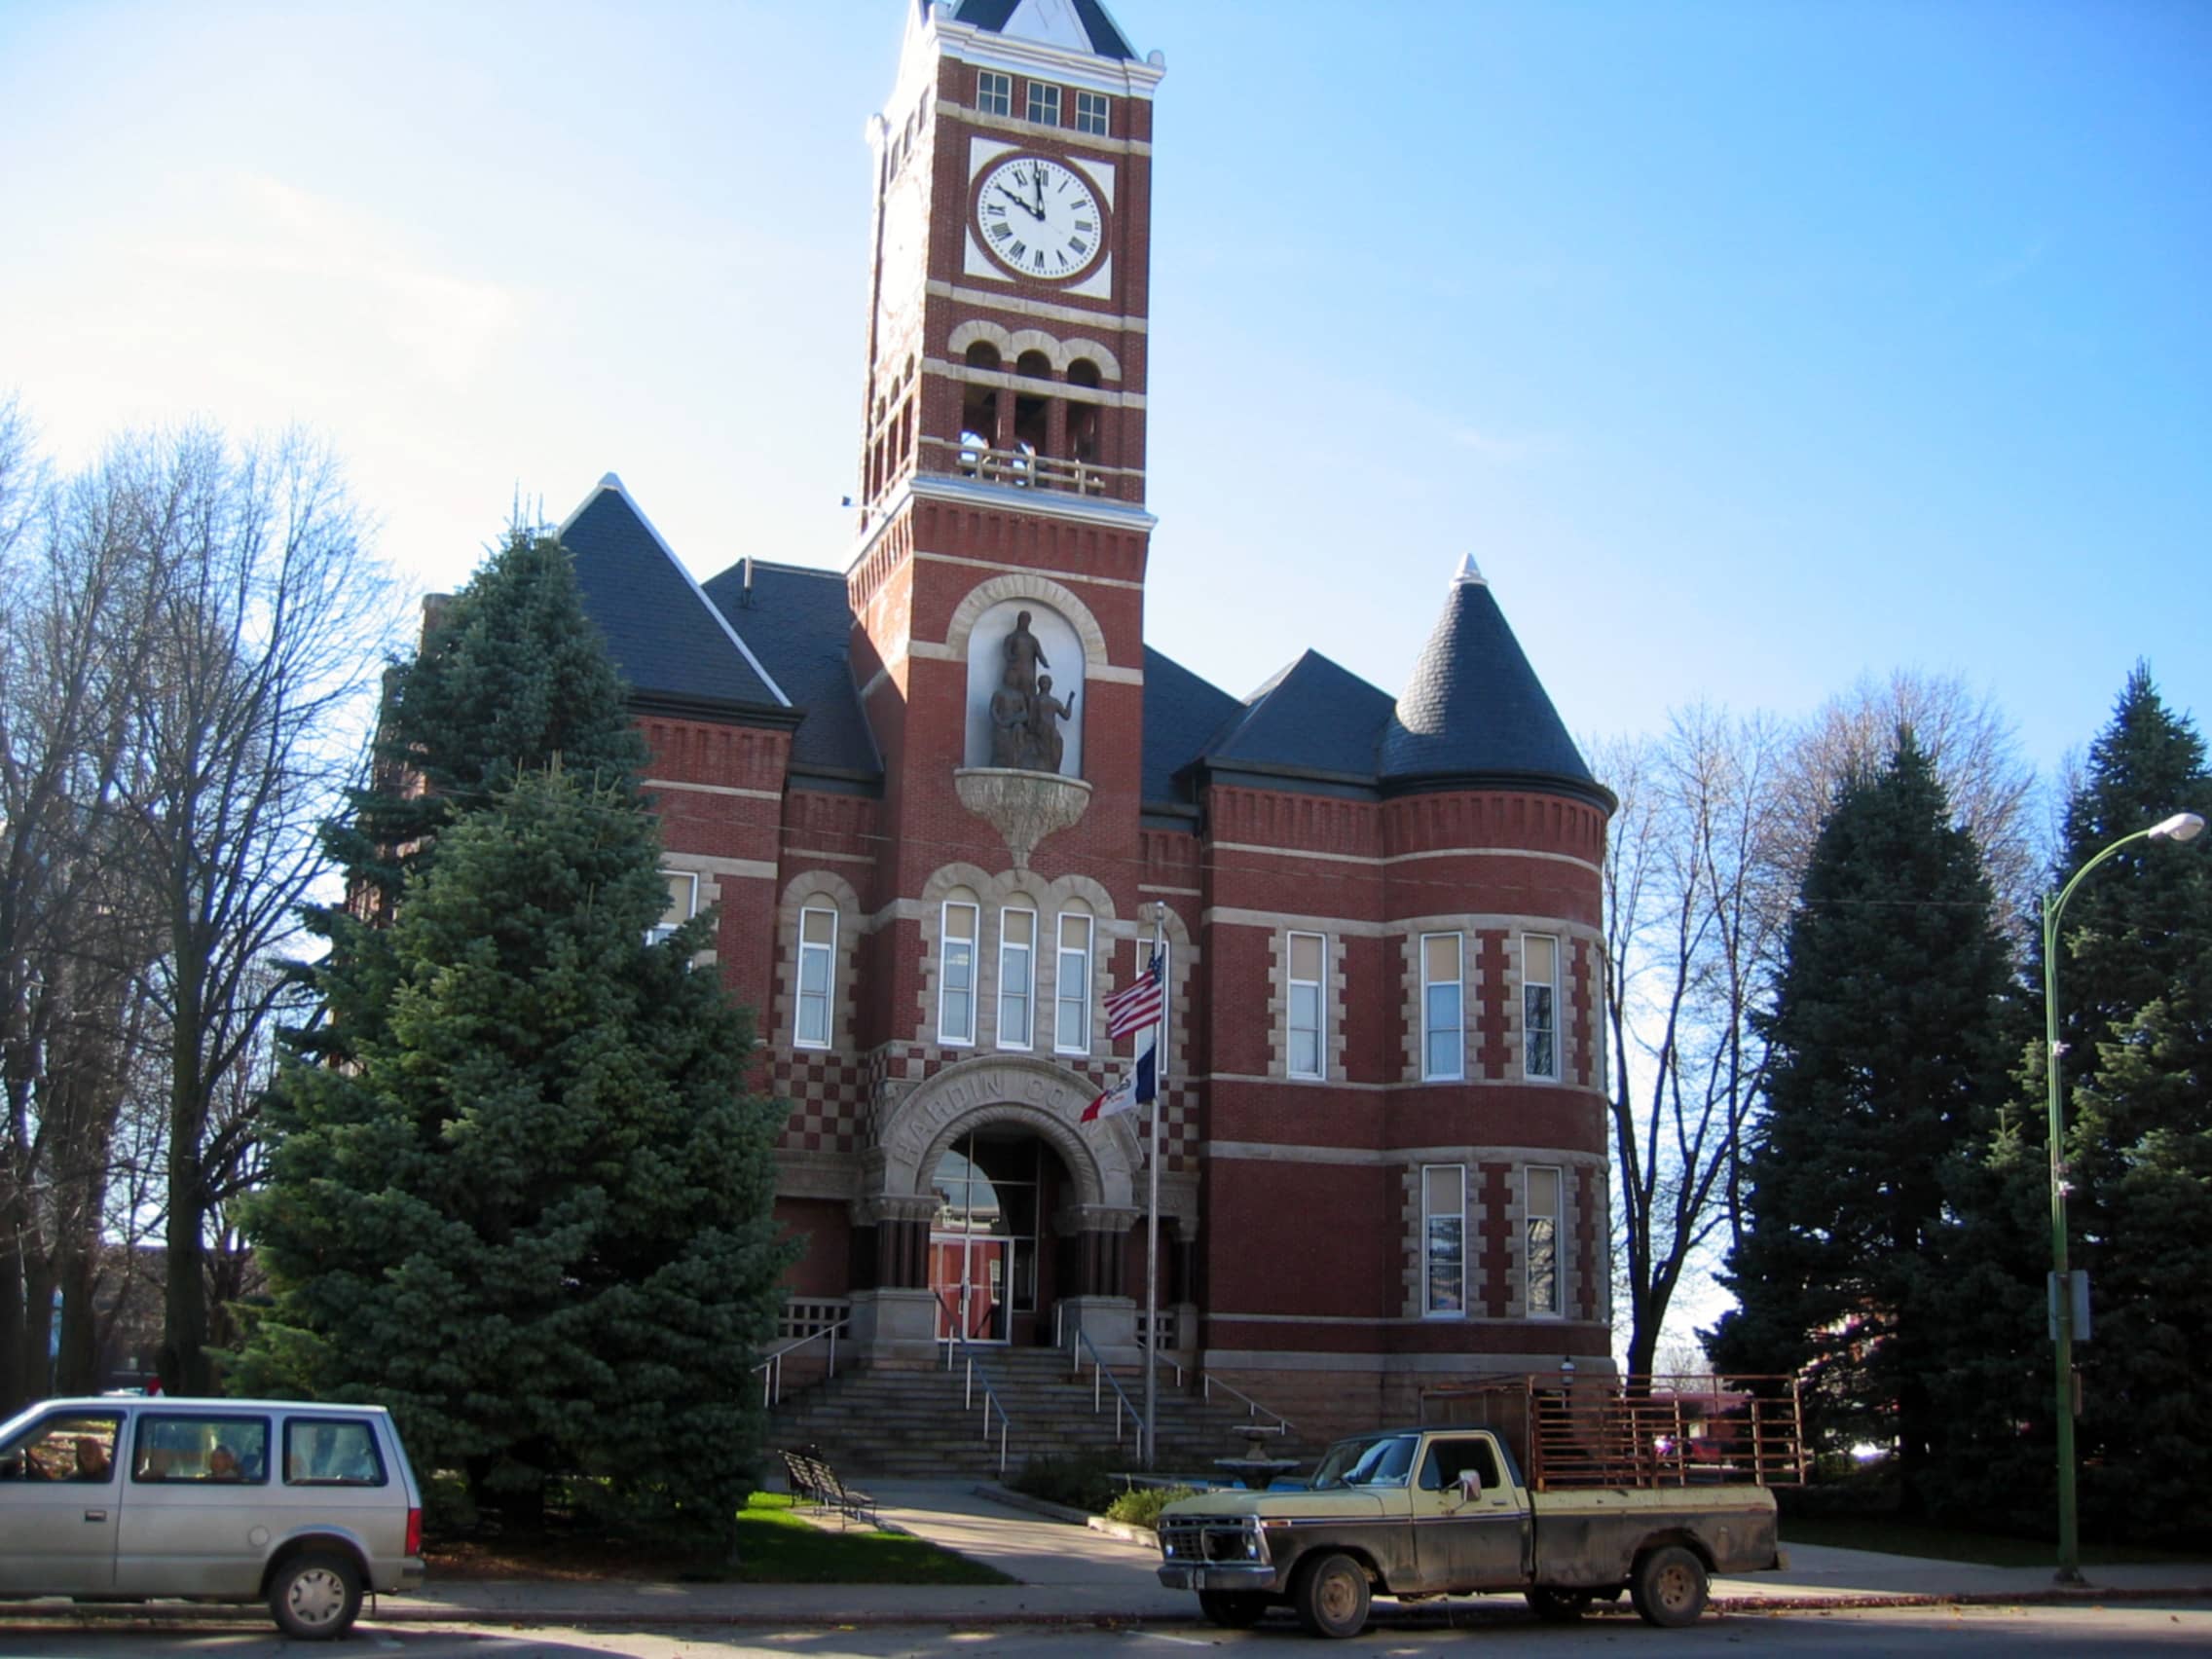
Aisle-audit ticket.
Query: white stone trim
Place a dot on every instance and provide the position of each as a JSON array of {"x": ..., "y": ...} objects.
[
  {"x": 1012, "y": 588},
  {"x": 710, "y": 789},
  {"x": 923, "y": 557},
  {"x": 1405, "y": 857},
  {"x": 1022, "y": 306}
]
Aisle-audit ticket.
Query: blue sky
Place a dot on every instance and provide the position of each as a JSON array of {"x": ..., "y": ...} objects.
[{"x": 1749, "y": 347}]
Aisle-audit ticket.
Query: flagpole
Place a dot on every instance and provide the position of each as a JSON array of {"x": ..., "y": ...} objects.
[{"x": 1152, "y": 1212}]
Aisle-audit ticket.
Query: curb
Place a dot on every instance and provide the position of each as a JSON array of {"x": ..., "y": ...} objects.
[{"x": 192, "y": 1613}]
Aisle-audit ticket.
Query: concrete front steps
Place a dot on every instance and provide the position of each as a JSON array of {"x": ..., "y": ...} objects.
[{"x": 914, "y": 1425}]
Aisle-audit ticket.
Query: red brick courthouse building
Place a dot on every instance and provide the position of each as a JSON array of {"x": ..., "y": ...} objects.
[{"x": 940, "y": 796}]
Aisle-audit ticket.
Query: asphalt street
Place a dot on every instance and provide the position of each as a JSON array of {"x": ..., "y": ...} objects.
[{"x": 2151, "y": 1627}]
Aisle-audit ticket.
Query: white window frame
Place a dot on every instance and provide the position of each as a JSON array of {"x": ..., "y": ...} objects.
[
  {"x": 826, "y": 997},
  {"x": 1428, "y": 1033},
  {"x": 994, "y": 92},
  {"x": 1530, "y": 1217},
  {"x": 1043, "y": 96},
  {"x": 1093, "y": 113},
  {"x": 1318, "y": 1072},
  {"x": 661, "y": 929},
  {"x": 945, "y": 940},
  {"x": 1432, "y": 1215},
  {"x": 1532, "y": 1052},
  {"x": 1027, "y": 994},
  {"x": 1075, "y": 1041}
]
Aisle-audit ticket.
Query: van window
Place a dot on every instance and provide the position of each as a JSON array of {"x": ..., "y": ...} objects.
[
  {"x": 180, "y": 1448},
  {"x": 71, "y": 1448},
  {"x": 331, "y": 1452}
]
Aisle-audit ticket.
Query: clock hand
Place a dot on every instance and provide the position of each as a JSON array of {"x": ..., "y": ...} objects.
[{"x": 1033, "y": 212}]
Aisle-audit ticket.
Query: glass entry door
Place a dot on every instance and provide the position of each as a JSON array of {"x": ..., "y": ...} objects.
[
  {"x": 969, "y": 1276},
  {"x": 983, "y": 1238}
]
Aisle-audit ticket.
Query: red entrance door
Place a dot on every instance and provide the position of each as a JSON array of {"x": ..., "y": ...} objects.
[{"x": 969, "y": 1276}]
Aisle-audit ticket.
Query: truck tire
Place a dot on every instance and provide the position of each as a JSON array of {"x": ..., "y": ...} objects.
[
  {"x": 1331, "y": 1594},
  {"x": 316, "y": 1596},
  {"x": 1669, "y": 1586},
  {"x": 1233, "y": 1609},
  {"x": 1559, "y": 1606}
]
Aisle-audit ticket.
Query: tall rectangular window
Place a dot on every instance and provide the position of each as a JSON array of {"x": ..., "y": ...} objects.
[
  {"x": 1443, "y": 1010},
  {"x": 956, "y": 977},
  {"x": 1017, "y": 976},
  {"x": 1541, "y": 1222},
  {"x": 1044, "y": 103},
  {"x": 683, "y": 903},
  {"x": 817, "y": 960},
  {"x": 1091, "y": 112},
  {"x": 994, "y": 92},
  {"x": 1071, "y": 993},
  {"x": 1539, "y": 999},
  {"x": 1308, "y": 969},
  {"x": 1444, "y": 1238}
]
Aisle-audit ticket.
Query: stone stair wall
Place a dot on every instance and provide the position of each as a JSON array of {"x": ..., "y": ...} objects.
[{"x": 873, "y": 1424}]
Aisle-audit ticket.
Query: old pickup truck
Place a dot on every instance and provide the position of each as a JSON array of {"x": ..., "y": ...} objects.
[{"x": 1444, "y": 1511}]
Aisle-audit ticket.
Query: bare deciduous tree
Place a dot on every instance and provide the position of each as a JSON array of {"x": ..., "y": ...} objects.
[{"x": 1691, "y": 921}]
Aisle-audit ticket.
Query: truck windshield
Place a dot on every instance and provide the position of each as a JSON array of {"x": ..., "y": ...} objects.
[{"x": 1372, "y": 1461}]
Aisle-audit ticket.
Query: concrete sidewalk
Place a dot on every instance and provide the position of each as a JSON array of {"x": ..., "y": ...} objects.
[{"x": 1067, "y": 1573}]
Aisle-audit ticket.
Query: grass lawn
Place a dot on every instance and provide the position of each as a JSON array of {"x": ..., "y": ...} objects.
[
  {"x": 775, "y": 1546},
  {"x": 1942, "y": 1543}
]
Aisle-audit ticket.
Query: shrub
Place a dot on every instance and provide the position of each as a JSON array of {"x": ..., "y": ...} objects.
[
  {"x": 1140, "y": 1506},
  {"x": 1078, "y": 1482}
]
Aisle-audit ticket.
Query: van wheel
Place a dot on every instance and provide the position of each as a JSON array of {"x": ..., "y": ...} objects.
[
  {"x": 1559, "y": 1606},
  {"x": 1331, "y": 1597},
  {"x": 316, "y": 1596},
  {"x": 1233, "y": 1609},
  {"x": 1669, "y": 1586}
]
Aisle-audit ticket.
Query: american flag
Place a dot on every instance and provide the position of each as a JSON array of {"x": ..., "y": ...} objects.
[{"x": 1140, "y": 1003}]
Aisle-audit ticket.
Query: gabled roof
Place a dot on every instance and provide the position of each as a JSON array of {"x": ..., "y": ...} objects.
[
  {"x": 1473, "y": 708},
  {"x": 1314, "y": 718},
  {"x": 1181, "y": 711},
  {"x": 666, "y": 635},
  {"x": 799, "y": 623},
  {"x": 1078, "y": 25}
]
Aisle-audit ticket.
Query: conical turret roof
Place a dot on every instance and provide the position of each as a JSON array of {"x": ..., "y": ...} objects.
[{"x": 1473, "y": 710}]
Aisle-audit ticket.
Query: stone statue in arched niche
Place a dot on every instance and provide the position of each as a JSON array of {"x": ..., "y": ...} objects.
[{"x": 1025, "y": 673}]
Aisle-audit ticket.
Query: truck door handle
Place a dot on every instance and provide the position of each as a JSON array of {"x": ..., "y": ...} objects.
[{"x": 95, "y": 1514}]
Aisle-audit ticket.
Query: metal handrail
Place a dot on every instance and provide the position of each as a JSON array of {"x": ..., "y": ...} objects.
[
  {"x": 1155, "y": 1359},
  {"x": 1208, "y": 1383},
  {"x": 770, "y": 1371},
  {"x": 990, "y": 1395},
  {"x": 1099, "y": 1373}
]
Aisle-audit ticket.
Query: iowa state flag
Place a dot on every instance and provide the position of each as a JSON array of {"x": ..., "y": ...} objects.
[{"x": 1134, "y": 1090}]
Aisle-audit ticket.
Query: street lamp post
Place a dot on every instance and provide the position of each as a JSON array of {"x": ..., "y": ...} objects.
[{"x": 2181, "y": 827}]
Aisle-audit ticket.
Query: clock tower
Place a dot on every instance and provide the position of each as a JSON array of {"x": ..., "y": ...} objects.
[{"x": 1001, "y": 472}]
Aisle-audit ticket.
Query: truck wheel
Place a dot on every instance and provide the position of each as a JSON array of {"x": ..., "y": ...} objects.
[
  {"x": 1669, "y": 1586},
  {"x": 1559, "y": 1606},
  {"x": 1331, "y": 1597},
  {"x": 316, "y": 1596},
  {"x": 1233, "y": 1609}
]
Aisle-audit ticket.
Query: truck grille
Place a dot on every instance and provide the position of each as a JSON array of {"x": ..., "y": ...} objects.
[{"x": 1234, "y": 1540}]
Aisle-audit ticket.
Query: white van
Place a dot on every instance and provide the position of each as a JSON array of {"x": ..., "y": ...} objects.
[{"x": 302, "y": 1505}]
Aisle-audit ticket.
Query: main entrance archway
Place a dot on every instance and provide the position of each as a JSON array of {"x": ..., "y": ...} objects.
[{"x": 987, "y": 1268}]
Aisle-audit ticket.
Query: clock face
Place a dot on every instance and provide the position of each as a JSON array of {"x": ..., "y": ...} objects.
[{"x": 1040, "y": 218}]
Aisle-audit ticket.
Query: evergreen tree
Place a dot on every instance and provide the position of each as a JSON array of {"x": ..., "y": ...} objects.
[
  {"x": 511, "y": 675},
  {"x": 1888, "y": 1033},
  {"x": 533, "y": 1213},
  {"x": 2135, "y": 999}
]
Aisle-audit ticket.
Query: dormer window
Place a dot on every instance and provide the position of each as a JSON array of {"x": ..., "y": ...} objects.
[
  {"x": 1043, "y": 104},
  {"x": 1090, "y": 113},
  {"x": 994, "y": 92}
]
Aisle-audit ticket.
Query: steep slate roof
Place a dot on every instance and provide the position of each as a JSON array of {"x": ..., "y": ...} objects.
[
  {"x": 799, "y": 625},
  {"x": 1473, "y": 707},
  {"x": 1313, "y": 718},
  {"x": 1181, "y": 711},
  {"x": 1055, "y": 22},
  {"x": 667, "y": 638}
]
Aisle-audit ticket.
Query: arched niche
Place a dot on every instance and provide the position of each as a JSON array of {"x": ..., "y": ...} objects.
[{"x": 1062, "y": 662}]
